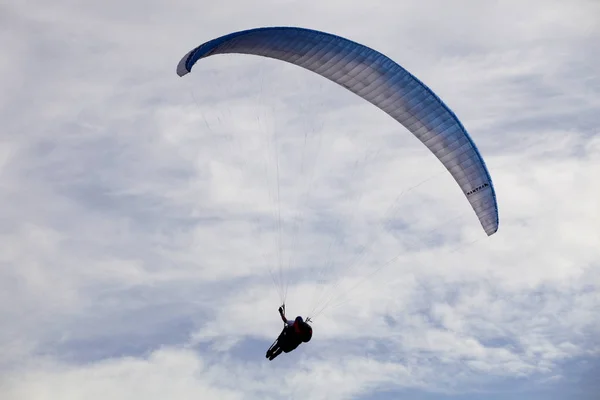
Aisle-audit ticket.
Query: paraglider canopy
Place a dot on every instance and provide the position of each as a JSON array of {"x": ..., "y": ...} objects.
[{"x": 380, "y": 81}]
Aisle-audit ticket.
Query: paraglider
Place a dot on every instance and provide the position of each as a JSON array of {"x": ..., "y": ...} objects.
[
  {"x": 294, "y": 333},
  {"x": 381, "y": 81}
]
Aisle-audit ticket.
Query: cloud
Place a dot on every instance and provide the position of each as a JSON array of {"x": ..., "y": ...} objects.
[{"x": 144, "y": 231}]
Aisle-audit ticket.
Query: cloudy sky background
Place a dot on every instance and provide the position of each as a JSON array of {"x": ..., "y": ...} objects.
[{"x": 141, "y": 244}]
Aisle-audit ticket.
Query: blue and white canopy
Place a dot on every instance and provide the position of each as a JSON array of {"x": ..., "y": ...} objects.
[{"x": 381, "y": 81}]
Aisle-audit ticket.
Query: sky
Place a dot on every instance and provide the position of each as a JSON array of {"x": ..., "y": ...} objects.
[{"x": 151, "y": 225}]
